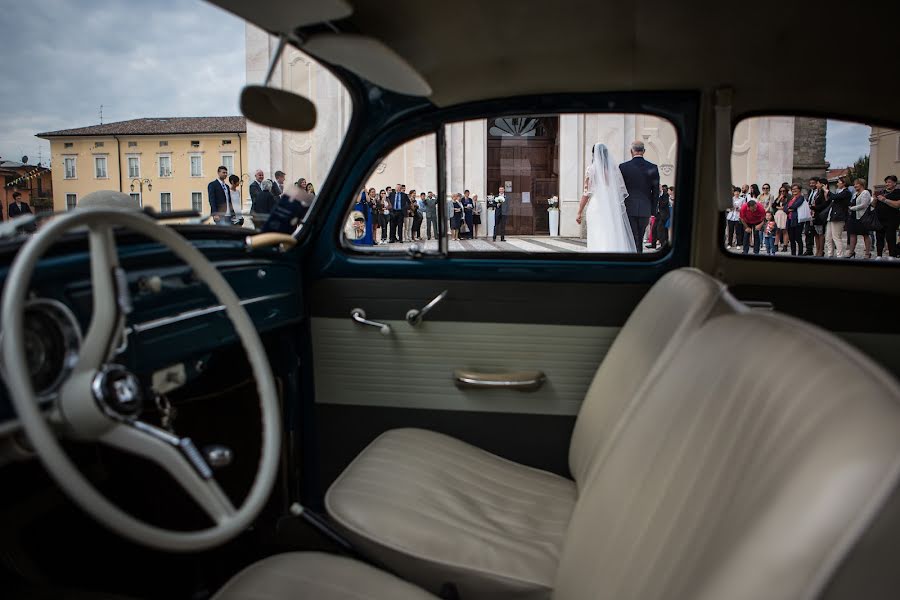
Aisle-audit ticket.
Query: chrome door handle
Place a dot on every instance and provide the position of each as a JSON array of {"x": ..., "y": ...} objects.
[
  {"x": 359, "y": 315},
  {"x": 415, "y": 316},
  {"x": 523, "y": 381}
]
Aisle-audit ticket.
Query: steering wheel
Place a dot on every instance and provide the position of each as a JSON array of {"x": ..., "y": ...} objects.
[{"x": 101, "y": 401}]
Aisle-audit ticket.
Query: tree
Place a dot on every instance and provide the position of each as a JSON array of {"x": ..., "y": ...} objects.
[{"x": 859, "y": 169}]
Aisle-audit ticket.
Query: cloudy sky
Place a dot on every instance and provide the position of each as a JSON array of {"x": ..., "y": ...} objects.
[{"x": 62, "y": 59}]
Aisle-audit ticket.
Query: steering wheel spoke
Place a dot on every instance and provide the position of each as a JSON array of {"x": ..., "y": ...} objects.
[
  {"x": 110, "y": 298},
  {"x": 180, "y": 458}
]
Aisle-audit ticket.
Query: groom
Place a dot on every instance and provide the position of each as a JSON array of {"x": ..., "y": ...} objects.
[{"x": 642, "y": 180}]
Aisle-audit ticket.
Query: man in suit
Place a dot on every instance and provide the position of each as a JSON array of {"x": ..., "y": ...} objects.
[
  {"x": 500, "y": 214},
  {"x": 809, "y": 228},
  {"x": 255, "y": 187},
  {"x": 642, "y": 181},
  {"x": 217, "y": 190},
  {"x": 18, "y": 208},
  {"x": 431, "y": 203},
  {"x": 278, "y": 184},
  {"x": 660, "y": 229},
  {"x": 399, "y": 208}
]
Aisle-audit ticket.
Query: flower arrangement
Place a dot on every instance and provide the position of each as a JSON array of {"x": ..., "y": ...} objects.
[{"x": 553, "y": 203}]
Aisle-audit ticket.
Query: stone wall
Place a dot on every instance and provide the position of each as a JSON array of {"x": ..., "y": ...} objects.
[{"x": 809, "y": 148}]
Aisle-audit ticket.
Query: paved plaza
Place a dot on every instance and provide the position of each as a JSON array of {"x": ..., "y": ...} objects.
[{"x": 531, "y": 244}]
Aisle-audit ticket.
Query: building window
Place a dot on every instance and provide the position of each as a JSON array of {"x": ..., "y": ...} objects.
[
  {"x": 165, "y": 202},
  {"x": 69, "y": 162},
  {"x": 100, "y": 167},
  {"x": 195, "y": 143},
  {"x": 132, "y": 144},
  {"x": 197, "y": 201},
  {"x": 226, "y": 142},
  {"x": 165, "y": 166},
  {"x": 137, "y": 198},
  {"x": 196, "y": 165},
  {"x": 134, "y": 166},
  {"x": 163, "y": 144},
  {"x": 68, "y": 145},
  {"x": 70, "y": 201},
  {"x": 98, "y": 144},
  {"x": 228, "y": 162}
]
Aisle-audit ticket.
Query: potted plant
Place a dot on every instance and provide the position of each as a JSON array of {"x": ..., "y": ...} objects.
[{"x": 553, "y": 212}]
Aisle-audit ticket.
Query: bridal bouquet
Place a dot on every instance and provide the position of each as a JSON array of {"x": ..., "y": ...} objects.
[{"x": 553, "y": 203}]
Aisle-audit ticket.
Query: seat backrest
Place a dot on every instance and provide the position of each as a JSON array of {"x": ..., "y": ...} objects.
[
  {"x": 678, "y": 304},
  {"x": 748, "y": 469}
]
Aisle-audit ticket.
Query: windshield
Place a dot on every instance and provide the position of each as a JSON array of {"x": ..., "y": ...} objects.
[{"x": 137, "y": 104}]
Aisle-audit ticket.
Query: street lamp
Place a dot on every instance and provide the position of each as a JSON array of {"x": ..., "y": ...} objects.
[{"x": 141, "y": 183}]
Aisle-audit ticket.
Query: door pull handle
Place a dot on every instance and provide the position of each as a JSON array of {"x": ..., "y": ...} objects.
[
  {"x": 523, "y": 381},
  {"x": 359, "y": 315}
]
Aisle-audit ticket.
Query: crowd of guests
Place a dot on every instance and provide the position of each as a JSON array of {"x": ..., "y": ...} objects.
[
  {"x": 817, "y": 221},
  {"x": 392, "y": 215},
  {"x": 266, "y": 195}
]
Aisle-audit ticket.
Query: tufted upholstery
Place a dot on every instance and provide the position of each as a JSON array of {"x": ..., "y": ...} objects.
[{"x": 438, "y": 510}]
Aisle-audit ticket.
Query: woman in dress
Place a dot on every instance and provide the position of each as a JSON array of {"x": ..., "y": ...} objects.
[
  {"x": 794, "y": 226},
  {"x": 234, "y": 200},
  {"x": 468, "y": 214},
  {"x": 604, "y": 194},
  {"x": 456, "y": 220},
  {"x": 765, "y": 198},
  {"x": 854, "y": 229},
  {"x": 385, "y": 215},
  {"x": 779, "y": 205},
  {"x": 476, "y": 217}
]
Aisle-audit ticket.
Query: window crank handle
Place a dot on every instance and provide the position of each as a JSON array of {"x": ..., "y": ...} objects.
[
  {"x": 415, "y": 316},
  {"x": 359, "y": 315}
]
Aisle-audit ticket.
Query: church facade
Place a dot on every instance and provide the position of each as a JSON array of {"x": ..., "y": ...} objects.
[{"x": 533, "y": 157}]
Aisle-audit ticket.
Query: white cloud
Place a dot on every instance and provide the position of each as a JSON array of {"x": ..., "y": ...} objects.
[
  {"x": 138, "y": 59},
  {"x": 845, "y": 142}
]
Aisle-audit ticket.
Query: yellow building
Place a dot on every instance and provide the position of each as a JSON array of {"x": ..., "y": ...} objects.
[
  {"x": 884, "y": 155},
  {"x": 165, "y": 163}
]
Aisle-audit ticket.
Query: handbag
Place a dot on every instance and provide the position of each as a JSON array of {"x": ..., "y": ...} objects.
[
  {"x": 803, "y": 213},
  {"x": 869, "y": 220},
  {"x": 464, "y": 228}
]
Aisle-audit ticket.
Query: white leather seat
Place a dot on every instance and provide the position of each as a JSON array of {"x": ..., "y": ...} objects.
[
  {"x": 437, "y": 510},
  {"x": 729, "y": 478}
]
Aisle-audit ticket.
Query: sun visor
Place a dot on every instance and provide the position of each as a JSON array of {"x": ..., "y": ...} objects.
[
  {"x": 277, "y": 108},
  {"x": 369, "y": 58},
  {"x": 284, "y": 16}
]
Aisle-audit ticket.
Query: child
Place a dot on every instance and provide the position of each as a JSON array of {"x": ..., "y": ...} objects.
[{"x": 769, "y": 233}]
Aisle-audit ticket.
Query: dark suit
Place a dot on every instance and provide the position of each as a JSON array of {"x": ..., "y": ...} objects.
[
  {"x": 500, "y": 219},
  {"x": 642, "y": 181},
  {"x": 398, "y": 214},
  {"x": 277, "y": 190},
  {"x": 840, "y": 205},
  {"x": 218, "y": 199},
  {"x": 17, "y": 211},
  {"x": 663, "y": 212},
  {"x": 254, "y": 189}
]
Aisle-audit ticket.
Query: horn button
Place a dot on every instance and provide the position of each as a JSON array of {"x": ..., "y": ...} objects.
[{"x": 118, "y": 392}]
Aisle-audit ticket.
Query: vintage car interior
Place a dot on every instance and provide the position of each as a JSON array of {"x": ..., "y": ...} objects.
[{"x": 195, "y": 411}]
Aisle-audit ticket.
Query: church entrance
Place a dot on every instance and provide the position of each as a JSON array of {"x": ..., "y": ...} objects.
[{"x": 523, "y": 156}]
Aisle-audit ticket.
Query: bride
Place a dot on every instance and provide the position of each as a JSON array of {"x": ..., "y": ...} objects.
[{"x": 604, "y": 193}]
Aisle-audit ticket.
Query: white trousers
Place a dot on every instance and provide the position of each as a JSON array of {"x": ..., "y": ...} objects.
[{"x": 834, "y": 239}]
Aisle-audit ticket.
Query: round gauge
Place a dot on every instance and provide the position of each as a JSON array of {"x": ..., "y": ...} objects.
[{"x": 52, "y": 340}]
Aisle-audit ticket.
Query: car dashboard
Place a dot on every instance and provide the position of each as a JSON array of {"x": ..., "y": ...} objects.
[{"x": 176, "y": 325}]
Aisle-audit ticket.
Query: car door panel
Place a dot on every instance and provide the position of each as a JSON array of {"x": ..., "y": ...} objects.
[{"x": 367, "y": 383}]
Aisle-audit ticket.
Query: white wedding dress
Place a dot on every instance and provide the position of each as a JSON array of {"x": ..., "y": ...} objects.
[{"x": 608, "y": 229}]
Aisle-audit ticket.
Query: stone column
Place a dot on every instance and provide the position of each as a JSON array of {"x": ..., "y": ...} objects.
[
  {"x": 475, "y": 160},
  {"x": 259, "y": 150},
  {"x": 455, "y": 136},
  {"x": 571, "y": 172},
  {"x": 873, "y": 160}
]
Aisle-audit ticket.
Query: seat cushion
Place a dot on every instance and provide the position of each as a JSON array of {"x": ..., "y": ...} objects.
[
  {"x": 316, "y": 576},
  {"x": 437, "y": 510}
]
